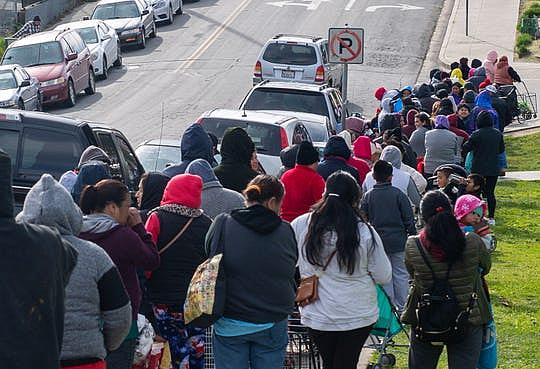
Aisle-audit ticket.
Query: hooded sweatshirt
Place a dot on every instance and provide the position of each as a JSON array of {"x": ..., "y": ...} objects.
[
  {"x": 152, "y": 192},
  {"x": 35, "y": 266},
  {"x": 98, "y": 312},
  {"x": 181, "y": 202},
  {"x": 336, "y": 155},
  {"x": 478, "y": 77},
  {"x": 130, "y": 248},
  {"x": 215, "y": 199},
  {"x": 288, "y": 158},
  {"x": 410, "y": 127},
  {"x": 89, "y": 174},
  {"x": 91, "y": 153},
  {"x": 483, "y": 103},
  {"x": 303, "y": 188},
  {"x": 195, "y": 144},
  {"x": 426, "y": 100},
  {"x": 235, "y": 171},
  {"x": 400, "y": 178},
  {"x": 441, "y": 147},
  {"x": 462, "y": 135},
  {"x": 490, "y": 64},
  {"x": 260, "y": 257}
]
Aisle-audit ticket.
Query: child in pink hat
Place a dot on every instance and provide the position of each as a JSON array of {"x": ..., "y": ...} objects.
[{"x": 470, "y": 212}]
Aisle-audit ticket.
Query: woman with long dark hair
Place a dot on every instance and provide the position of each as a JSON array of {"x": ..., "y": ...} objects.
[
  {"x": 447, "y": 248},
  {"x": 334, "y": 237}
]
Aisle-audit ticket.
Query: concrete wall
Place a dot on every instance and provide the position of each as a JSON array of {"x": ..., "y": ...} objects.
[{"x": 49, "y": 10}]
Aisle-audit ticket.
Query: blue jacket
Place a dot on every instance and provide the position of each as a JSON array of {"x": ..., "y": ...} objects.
[
  {"x": 483, "y": 102},
  {"x": 336, "y": 154}
]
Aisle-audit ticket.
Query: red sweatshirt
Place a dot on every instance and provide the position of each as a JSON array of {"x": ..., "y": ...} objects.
[{"x": 303, "y": 188}]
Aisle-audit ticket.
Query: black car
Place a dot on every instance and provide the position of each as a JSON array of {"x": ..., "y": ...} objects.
[{"x": 43, "y": 143}]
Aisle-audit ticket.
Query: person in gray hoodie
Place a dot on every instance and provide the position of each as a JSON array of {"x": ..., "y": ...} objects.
[
  {"x": 215, "y": 198},
  {"x": 97, "y": 308},
  {"x": 91, "y": 153}
]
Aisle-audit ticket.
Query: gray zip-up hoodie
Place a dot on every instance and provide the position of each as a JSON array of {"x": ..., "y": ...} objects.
[{"x": 97, "y": 308}]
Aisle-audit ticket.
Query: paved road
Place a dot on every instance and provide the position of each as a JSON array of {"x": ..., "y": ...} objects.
[{"x": 205, "y": 59}]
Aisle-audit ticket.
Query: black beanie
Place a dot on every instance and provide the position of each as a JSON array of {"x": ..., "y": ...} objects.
[
  {"x": 307, "y": 154},
  {"x": 476, "y": 63},
  {"x": 484, "y": 120}
]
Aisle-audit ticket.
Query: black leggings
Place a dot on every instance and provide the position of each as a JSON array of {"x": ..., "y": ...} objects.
[
  {"x": 489, "y": 193},
  {"x": 340, "y": 349}
]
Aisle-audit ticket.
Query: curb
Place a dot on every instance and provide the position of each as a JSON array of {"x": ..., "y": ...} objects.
[{"x": 445, "y": 63}]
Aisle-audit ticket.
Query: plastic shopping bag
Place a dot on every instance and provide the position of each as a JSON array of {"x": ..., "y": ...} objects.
[{"x": 144, "y": 341}]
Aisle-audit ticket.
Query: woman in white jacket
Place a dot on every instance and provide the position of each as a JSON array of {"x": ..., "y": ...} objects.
[{"x": 340, "y": 320}]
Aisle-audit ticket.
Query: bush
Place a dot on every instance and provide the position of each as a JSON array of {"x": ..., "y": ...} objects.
[
  {"x": 2, "y": 46},
  {"x": 523, "y": 50},
  {"x": 524, "y": 40},
  {"x": 532, "y": 10}
]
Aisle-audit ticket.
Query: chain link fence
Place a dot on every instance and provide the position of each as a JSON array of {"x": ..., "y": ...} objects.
[{"x": 8, "y": 15}]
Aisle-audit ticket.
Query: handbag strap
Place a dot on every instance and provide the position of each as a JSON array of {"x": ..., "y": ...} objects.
[
  {"x": 329, "y": 260},
  {"x": 178, "y": 235}
]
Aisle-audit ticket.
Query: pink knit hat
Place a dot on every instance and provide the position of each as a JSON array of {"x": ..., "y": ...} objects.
[{"x": 466, "y": 204}]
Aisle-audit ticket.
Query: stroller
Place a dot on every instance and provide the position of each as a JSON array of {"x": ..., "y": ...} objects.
[
  {"x": 387, "y": 327},
  {"x": 522, "y": 104}
]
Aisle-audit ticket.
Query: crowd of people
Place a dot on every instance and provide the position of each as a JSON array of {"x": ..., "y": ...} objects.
[{"x": 396, "y": 201}]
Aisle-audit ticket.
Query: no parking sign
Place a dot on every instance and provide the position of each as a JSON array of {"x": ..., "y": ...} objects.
[{"x": 346, "y": 45}]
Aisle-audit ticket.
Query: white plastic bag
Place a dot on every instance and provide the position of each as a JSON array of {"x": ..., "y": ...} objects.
[{"x": 145, "y": 339}]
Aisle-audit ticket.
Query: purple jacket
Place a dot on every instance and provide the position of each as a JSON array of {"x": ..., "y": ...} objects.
[{"x": 130, "y": 249}]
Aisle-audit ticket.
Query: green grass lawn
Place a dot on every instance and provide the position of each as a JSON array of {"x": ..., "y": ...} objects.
[
  {"x": 514, "y": 279},
  {"x": 523, "y": 152}
]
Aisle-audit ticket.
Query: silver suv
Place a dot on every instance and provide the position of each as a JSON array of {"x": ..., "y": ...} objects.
[
  {"x": 296, "y": 97},
  {"x": 296, "y": 58}
]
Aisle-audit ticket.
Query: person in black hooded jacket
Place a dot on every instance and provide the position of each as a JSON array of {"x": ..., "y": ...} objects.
[
  {"x": 35, "y": 266},
  {"x": 196, "y": 144},
  {"x": 260, "y": 256},
  {"x": 424, "y": 96},
  {"x": 151, "y": 188},
  {"x": 235, "y": 170},
  {"x": 336, "y": 154},
  {"x": 288, "y": 158}
]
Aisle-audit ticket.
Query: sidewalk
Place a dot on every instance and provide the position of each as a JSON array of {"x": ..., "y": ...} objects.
[
  {"x": 522, "y": 176},
  {"x": 492, "y": 26}
]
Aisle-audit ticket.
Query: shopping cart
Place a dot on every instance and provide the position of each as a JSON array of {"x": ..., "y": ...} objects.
[
  {"x": 301, "y": 352},
  {"x": 522, "y": 103},
  {"x": 382, "y": 335}
]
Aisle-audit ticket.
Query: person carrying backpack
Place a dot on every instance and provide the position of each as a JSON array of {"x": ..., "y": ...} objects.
[{"x": 447, "y": 305}]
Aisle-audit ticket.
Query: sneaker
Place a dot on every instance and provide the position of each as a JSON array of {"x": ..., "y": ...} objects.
[{"x": 491, "y": 221}]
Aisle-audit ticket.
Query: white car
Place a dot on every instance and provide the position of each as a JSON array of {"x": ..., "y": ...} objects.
[
  {"x": 164, "y": 10},
  {"x": 270, "y": 133},
  {"x": 102, "y": 41}
]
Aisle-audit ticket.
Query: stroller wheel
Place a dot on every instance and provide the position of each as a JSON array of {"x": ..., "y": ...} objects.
[
  {"x": 387, "y": 360},
  {"x": 377, "y": 366}
]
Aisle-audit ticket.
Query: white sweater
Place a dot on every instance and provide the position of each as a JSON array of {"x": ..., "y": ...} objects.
[{"x": 346, "y": 302}]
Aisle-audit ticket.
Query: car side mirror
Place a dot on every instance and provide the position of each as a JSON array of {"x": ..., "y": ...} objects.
[
  {"x": 85, "y": 18},
  {"x": 25, "y": 83},
  {"x": 106, "y": 37},
  {"x": 72, "y": 56},
  {"x": 145, "y": 12}
]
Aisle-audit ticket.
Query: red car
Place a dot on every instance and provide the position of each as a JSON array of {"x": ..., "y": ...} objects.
[{"x": 60, "y": 60}]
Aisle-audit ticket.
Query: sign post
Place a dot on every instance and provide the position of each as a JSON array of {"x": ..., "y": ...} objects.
[{"x": 346, "y": 47}]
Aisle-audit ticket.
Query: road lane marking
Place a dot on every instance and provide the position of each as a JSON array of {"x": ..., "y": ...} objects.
[
  {"x": 350, "y": 4},
  {"x": 402, "y": 7},
  {"x": 308, "y": 4},
  {"x": 213, "y": 37}
]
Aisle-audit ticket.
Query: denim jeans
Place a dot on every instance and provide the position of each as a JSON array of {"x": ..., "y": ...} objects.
[
  {"x": 261, "y": 350},
  {"x": 398, "y": 288}
]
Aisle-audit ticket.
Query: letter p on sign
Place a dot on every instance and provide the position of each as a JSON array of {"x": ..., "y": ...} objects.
[{"x": 346, "y": 45}]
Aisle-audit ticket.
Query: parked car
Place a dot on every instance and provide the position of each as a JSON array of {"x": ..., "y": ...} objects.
[
  {"x": 297, "y": 58},
  {"x": 102, "y": 41},
  {"x": 133, "y": 20},
  {"x": 318, "y": 126},
  {"x": 44, "y": 143},
  {"x": 296, "y": 97},
  {"x": 158, "y": 154},
  {"x": 270, "y": 132},
  {"x": 164, "y": 10},
  {"x": 60, "y": 60},
  {"x": 18, "y": 89}
]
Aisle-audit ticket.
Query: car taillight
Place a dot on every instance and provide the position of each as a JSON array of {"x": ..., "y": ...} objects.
[
  {"x": 199, "y": 120},
  {"x": 284, "y": 140},
  {"x": 257, "y": 72},
  {"x": 319, "y": 74}
]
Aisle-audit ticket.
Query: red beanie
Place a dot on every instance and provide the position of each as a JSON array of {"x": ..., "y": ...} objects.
[
  {"x": 482, "y": 85},
  {"x": 379, "y": 93},
  {"x": 183, "y": 189}
]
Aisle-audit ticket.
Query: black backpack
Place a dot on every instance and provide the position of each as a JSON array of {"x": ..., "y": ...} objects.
[{"x": 439, "y": 318}]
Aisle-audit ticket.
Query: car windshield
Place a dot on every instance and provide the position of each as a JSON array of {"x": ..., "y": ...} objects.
[
  {"x": 35, "y": 54},
  {"x": 266, "y": 137},
  {"x": 7, "y": 80},
  {"x": 157, "y": 158},
  {"x": 289, "y": 100},
  {"x": 292, "y": 54},
  {"x": 89, "y": 35},
  {"x": 317, "y": 131},
  {"x": 126, "y": 9}
]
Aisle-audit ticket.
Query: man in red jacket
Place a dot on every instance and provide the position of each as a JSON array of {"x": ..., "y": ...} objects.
[{"x": 303, "y": 185}]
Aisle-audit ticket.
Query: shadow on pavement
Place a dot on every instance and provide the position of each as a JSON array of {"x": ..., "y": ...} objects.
[
  {"x": 178, "y": 23},
  {"x": 151, "y": 45},
  {"x": 199, "y": 4},
  {"x": 83, "y": 101}
]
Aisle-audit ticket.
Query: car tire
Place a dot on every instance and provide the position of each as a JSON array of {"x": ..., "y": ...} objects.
[
  {"x": 170, "y": 16},
  {"x": 72, "y": 94},
  {"x": 39, "y": 103},
  {"x": 20, "y": 104},
  {"x": 142, "y": 44},
  {"x": 118, "y": 61},
  {"x": 105, "y": 67},
  {"x": 154, "y": 32},
  {"x": 91, "y": 89},
  {"x": 180, "y": 8}
]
